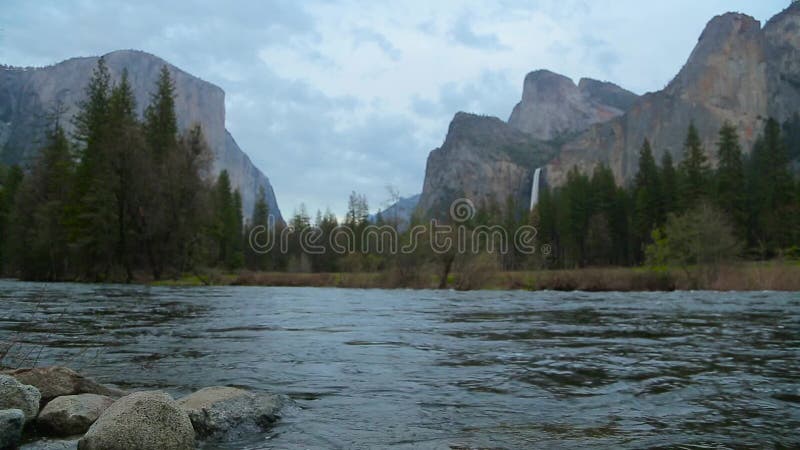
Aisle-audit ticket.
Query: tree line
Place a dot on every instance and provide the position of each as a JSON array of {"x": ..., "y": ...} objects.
[
  {"x": 121, "y": 198},
  {"x": 747, "y": 206},
  {"x": 126, "y": 198}
]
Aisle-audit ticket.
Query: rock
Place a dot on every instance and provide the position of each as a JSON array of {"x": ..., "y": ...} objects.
[
  {"x": 15, "y": 395},
  {"x": 72, "y": 414},
  {"x": 482, "y": 159},
  {"x": 52, "y": 444},
  {"x": 552, "y": 105},
  {"x": 148, "y": 420},
  {"x": 218, "y": 411},
  {"x": 11, "y": 423},
  {"x": 58, "y": 381}
]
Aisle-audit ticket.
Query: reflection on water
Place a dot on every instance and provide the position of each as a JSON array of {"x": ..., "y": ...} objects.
[{"x": 423, "y": 369}]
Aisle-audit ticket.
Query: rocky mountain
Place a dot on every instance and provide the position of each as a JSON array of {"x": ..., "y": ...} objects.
[
  {"x": 399, "y": 212},
  {"x": 552, "y": 106},
  {"x": 27, "y": 95},
  {"x": 483, "y": 159},
  {"x": 738, "y": 72}
]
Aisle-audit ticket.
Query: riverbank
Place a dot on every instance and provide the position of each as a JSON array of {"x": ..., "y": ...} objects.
[{"x": 760, "y": 276}]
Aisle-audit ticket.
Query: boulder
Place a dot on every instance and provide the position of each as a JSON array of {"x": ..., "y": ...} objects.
[
  {"x": 11, "y": 423},
  {"x": 148, "y": 420},
  {"x": 72, "y": 414},
  {"x": 222, "y": 411},
  {"x": 51, "y": 444},
  {"x": 57, "y": 381},
  {"x": 15, "y": 395}
]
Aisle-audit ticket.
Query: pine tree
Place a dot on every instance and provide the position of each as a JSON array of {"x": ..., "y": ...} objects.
[
  {"x": 259, "y": 220},
  {"x": 771, "y": 190},
  {"x": 649, "y": 201},
  {"x": 10, "y": 180},
  {"x": 669, "y": 185},
  {"x": 694, "y": 171},
  {"x": 730, "y": 180},
  {"x": 93, "y": 213},
  {"x": 161, "y": 123},
  {"x": 39, "y": 238}
]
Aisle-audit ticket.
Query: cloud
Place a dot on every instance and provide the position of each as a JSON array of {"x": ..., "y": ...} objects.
[
  {"x": 463, "y": 34},
  {"x": 365, "y": 35}
]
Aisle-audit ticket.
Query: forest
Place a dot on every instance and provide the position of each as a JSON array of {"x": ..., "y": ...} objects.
[{"x": 128, "y": 199}]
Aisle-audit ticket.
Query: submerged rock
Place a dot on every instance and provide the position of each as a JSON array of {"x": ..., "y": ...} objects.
[
  {"x": 72, "y": 414},
  {"x": 58, "y": 381},
  {"x": 11, "y": 423},
  {"x": 15, "y": 395},
  {"x": 142, "y": 420},
  {"x": 221, "y": 411}
]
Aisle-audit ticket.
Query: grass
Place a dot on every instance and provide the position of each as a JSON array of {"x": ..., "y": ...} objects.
[{"x": 775, "y": 275}]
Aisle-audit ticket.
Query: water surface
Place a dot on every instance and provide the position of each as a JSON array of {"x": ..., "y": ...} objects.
[{"x": 437, "y": 369}]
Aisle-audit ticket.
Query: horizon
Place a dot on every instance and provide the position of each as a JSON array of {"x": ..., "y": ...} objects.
[{"x": 374, "y": 137}]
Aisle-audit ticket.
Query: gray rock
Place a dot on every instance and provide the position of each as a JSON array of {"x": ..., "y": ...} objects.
[
  {"x": 143, "y": 420},
  {"x": 15, "y": 395},
  {"x": 11, "y": 423},
  {"x": 483, "y": 159},
  {"x": 72, "y": 414},
  {"x": 58, "y": 381},
  {"x": 52, "y": 444},
  {"x": 552, "y": 105},
  {"x": 225, "y": 411}
]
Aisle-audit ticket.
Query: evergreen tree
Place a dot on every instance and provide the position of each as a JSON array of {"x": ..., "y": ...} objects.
[
  {"x": 161, "y": 123},
  {"x": 694, "y": 171},
  {"x": 771, "y": 189},
  {"x": 730, "y": 180},
  {"x": 39, "y": 238},
  {"x": 92, "y": 211},
  {"x": 10, "y": 180},
  {"x": 259, "y": 219},
  {"x": 649, "y": 201},
  {"x": 227, "y": 229},
  {"x": 669, "y": 185}
]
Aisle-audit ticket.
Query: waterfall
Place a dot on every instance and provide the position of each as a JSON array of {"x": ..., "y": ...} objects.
[{"x": 535, "y": 188}]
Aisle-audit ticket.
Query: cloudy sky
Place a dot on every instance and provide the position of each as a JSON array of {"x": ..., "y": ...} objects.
[{"x": 332, "y": 96}]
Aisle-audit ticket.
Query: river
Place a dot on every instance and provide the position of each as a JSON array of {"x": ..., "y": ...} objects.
[{"x": 406, "y": 369}]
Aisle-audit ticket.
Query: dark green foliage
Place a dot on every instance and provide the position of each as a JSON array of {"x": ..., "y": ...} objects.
[
  {"x": 730, "y": 189},
  {"x": 758, "y": 201},
  {"x": 160, "y": 121},
  {"x": 772, "y": 198},
  {"x": 116, "y": 205},
  {"x": 38, "y": 232},
  {"x": 10, "y": 180},
  {"x": 694, "y": 174},
  {"x": 648, "y": 198}
]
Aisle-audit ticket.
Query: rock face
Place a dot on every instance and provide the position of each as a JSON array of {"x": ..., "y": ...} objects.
[
  {"x": 220, "y": 411},
  {"x": 11, "y": 423},
  {"x": 399, "y": 213},
  {"x": 26, "y": 95},
  {"x": 15, "y": 395},
  {"x": 72, "y": 414},
  {"x": 484, "y": 160},
  {"x": 738, "y": 72},
  {"x": 56, "y": 381},
  {"x": 553, "y": 106},
  {"x": 142, "y": 420}
]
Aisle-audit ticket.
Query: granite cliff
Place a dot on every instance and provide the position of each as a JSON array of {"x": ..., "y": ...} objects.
[
  {"x": 27, "y": 95},
  {"x": 738, "y": 72}
]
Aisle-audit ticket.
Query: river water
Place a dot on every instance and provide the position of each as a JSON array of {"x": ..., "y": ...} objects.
[{"x": 437, "y": 369}]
